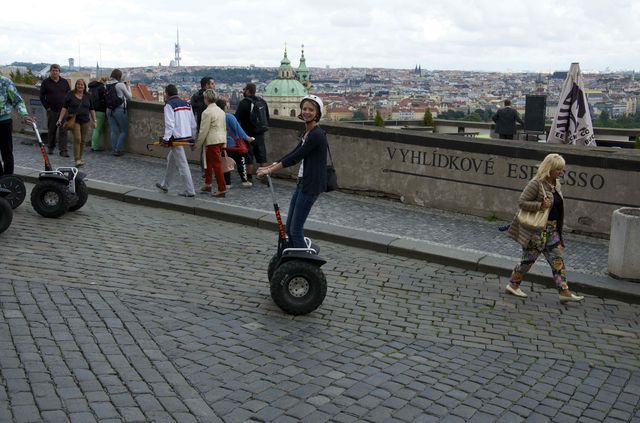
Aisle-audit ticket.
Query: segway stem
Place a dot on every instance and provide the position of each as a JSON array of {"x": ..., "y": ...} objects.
[
  {"x": 283, "y": 236},
  {"x": 47, "y": 164}
]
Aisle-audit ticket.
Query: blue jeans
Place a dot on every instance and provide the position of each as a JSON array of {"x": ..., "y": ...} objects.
[
  {"x": 119, "y": 124},
  {"x": 299, "y": 209}
]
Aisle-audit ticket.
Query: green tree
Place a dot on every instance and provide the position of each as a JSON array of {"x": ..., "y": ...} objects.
[
  {"x": 427, "y": 119},
  {"x": 20, "y": 78},
  {"x": 604, "y": 118},
  {"x": 473, "y": 117},
  {"x": 378, "y": 121}
]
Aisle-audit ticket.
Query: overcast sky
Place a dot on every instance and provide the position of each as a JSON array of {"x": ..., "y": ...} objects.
[{"x": 506, "y": 36}]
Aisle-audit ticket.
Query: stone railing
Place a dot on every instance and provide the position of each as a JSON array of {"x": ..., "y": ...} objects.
[{"x": 483, "y": 177}]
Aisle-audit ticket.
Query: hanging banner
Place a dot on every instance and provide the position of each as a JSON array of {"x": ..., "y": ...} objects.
[{"x": 572, "y": 123}]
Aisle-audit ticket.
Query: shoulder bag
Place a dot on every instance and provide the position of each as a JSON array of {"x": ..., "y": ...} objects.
[
  {"x": 332, "y": 178},
  {"x": 70, "y": 123},
  {"x": 534, "y": 219}
]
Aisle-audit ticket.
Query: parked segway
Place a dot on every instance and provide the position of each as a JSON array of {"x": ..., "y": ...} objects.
[
  {"x": 6, "y": 212},
  {"x": 298, "y": 285},
  {"x": 57, "y": 191},
  {"x": 16, "y": 188}
]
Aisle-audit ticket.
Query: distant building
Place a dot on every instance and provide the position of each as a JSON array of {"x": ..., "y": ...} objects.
[
  {"x": 141, "y": 92},
  {"x": 283, "y": 94}
]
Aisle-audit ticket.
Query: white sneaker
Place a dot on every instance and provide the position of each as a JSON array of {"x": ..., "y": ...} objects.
[
  {"x": 517, "y": 292},
  {"x": 569, "y": 298},
  {"x": 247, "y": 184},
  {"x": 229, "y": 186}
]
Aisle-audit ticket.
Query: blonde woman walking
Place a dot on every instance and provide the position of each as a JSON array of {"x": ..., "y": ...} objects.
[{"x": 541, "y": 193}]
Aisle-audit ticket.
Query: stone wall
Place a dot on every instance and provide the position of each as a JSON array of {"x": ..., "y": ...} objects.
[{"x": 470, "y": 175}]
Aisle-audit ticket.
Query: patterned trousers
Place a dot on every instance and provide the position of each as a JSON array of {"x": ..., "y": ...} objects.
[{"x": 547, "y": 242}]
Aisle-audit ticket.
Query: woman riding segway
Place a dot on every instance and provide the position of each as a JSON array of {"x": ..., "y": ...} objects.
[
  {"x": 311, "y": 150},
  {"x": 298, "y": 286}
]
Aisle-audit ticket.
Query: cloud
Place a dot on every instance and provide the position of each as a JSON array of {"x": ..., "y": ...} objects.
[{"x": 439, "y": 34}]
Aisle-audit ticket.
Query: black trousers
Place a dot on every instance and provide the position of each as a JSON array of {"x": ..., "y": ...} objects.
[
  {"x": 240, "y": 166},
  {"x": 56, "y": 134},
  {"x": 6, "y": 147}
]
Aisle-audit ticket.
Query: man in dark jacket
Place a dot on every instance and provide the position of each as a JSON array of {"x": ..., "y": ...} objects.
[
  {"x": 505, "y": 120},
  {"x": 257, "y": 148},
  {"x": 198, "y": 106},
  {"x": 52, "y": 93},
  {"x": 197, "y": 99}
]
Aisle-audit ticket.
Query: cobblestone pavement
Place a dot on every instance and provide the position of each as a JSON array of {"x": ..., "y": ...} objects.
[
  {"x": 583, "y": 254},
  {"x": 123, "y": 313}
]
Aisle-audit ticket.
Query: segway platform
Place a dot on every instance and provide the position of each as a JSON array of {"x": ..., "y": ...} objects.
[{"x": 298, "y": 285}]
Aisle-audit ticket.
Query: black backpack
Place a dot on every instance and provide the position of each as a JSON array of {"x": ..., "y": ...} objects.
[
  {"x": 258, "y": 116},
  {"x": 111, "y": 96},
  {"x": 97, "y": 97}
]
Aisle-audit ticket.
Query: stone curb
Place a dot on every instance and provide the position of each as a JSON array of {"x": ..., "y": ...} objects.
[{"x": 602, "y": 286}]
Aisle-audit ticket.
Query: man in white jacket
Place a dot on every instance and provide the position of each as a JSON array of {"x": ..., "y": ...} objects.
[{"x": 179, "y": 129}]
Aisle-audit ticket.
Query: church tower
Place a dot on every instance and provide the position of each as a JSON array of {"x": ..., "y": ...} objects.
[{"x": 303, "y": 72}]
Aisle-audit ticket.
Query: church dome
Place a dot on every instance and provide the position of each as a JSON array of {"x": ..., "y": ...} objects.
[
  {"x": 285, "y": 88},
  {"x": 285, "y": 85}
]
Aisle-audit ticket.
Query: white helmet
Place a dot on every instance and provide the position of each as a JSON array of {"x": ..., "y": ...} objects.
[{"x": 316, "y": 100}]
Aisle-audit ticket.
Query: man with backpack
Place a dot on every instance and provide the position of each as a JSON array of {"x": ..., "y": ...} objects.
[
  {"x": 96, "y": 90},
  {"x": 253, "y": 115},
  {"x": 116, "y": 95}
]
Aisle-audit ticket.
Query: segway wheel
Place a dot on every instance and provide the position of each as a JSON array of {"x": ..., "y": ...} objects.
[
  {"x": 16, "y": 186},
  {"x": 6, "y": 215},
  {"x": 272, "y": 266},
  {"x": 82, "y": 194},
  {"x": 50, "y": 198},
  {"x": 298, "y": 287}
]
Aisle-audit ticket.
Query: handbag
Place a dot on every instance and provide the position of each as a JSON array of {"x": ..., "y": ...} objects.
[
  {"x": 534, "y": 219},
  {"x": 70, "y": 123},
  {"x": 332, "y": 177},
  {"x": 228, "y": 164}
]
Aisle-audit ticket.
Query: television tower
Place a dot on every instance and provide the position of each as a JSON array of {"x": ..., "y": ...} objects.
[{"x": 177, "y": 48}]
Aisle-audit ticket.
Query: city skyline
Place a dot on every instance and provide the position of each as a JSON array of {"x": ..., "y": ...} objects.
[{"x": 541, "y": 36}]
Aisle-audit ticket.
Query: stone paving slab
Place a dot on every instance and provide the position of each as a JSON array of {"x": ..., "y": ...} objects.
[{"x": 121, "y": 312}]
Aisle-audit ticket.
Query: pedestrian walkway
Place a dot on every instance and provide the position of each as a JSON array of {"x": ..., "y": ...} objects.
[
  {"x": 121, "y": 313},
  {"x": 466, "y": 238}
]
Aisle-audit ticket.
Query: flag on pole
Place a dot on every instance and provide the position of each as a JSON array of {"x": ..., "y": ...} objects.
[{"x": 572, "y": 123}]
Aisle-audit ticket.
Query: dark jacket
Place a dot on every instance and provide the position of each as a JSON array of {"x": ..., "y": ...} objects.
[
  {"x": 52, "y": 94},
  {"x": 80, "y": 108},
  {"x": 505, "y": 120},
  {"x": 96, "y": 89},
  {"x": 314, "y": 153},
  {"x": 243, "y": 114},
  {"x": 197, "y": 105}
]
